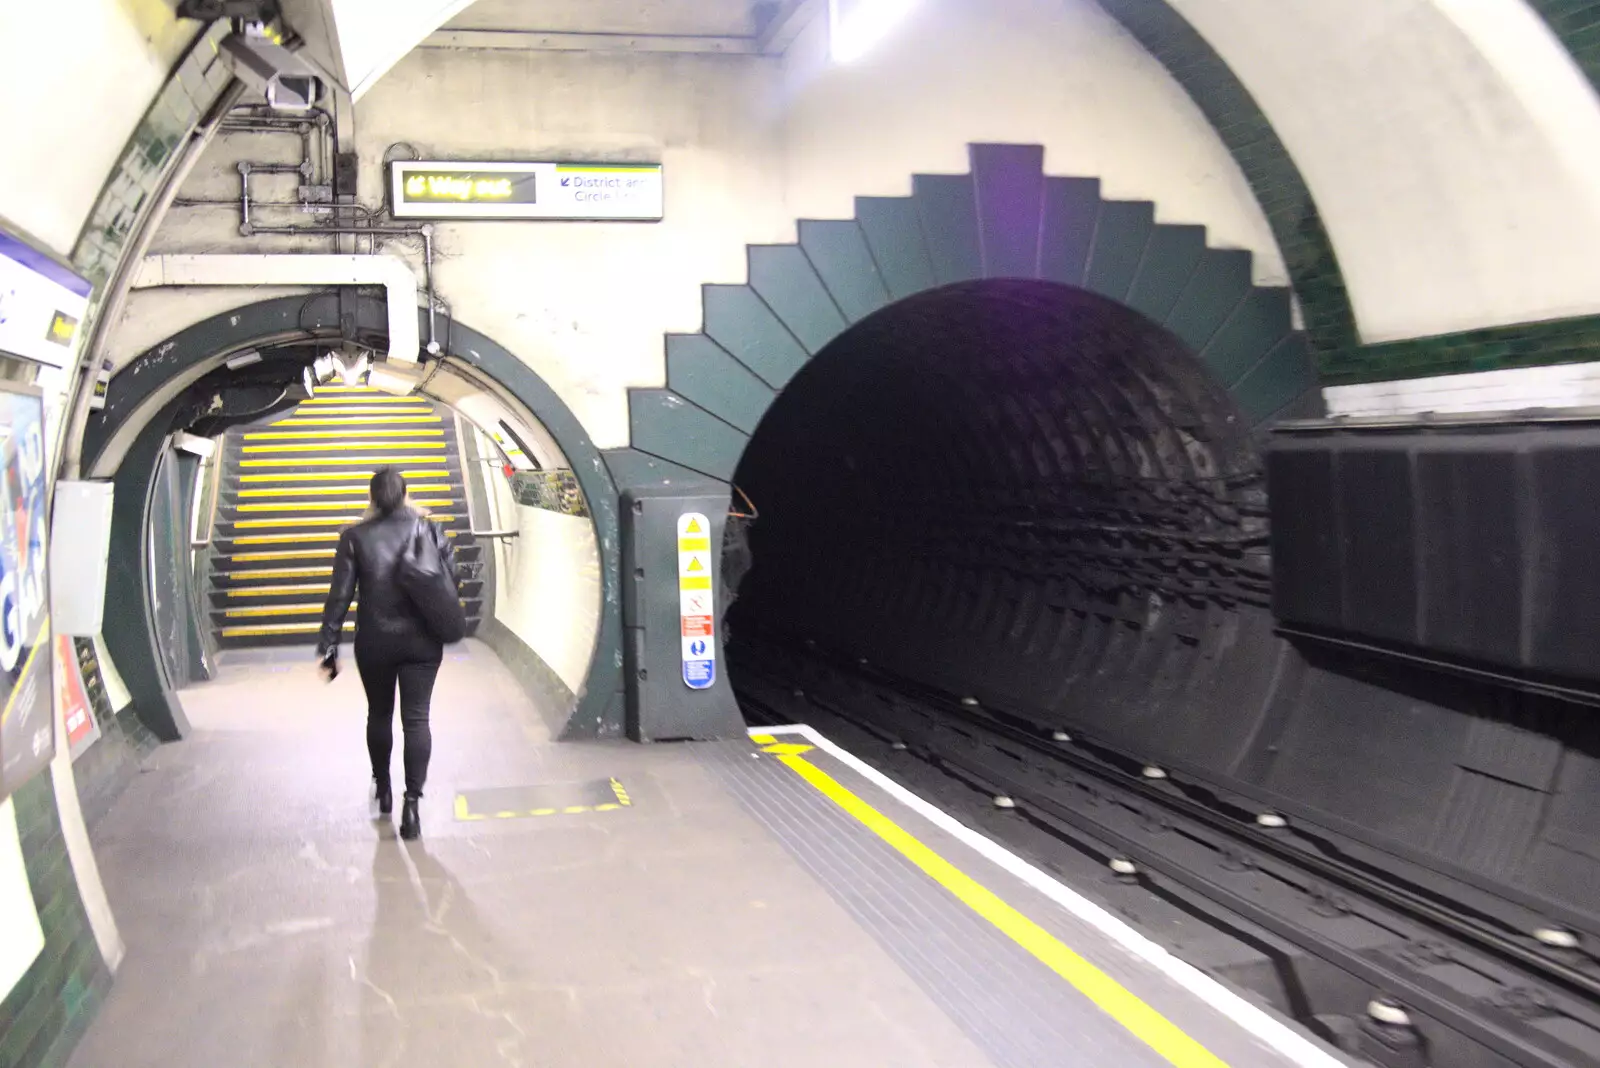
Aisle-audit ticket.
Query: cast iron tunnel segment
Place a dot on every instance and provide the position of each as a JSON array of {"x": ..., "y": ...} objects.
[
  {"x": 1005, "y": 220},
  {"x": 288, "y": 487}
]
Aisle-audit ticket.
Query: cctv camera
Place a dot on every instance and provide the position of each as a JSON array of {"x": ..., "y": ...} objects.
[{"x": 289, "y": 83}]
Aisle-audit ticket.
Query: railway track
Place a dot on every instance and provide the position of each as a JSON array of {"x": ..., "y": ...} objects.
[{"x": 1391, "y": 972}]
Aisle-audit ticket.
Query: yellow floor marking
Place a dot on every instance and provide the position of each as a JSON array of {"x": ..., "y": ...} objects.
[
  {"x": 463, "y": 813},
  {"x": 346, "y": 446},
  {"x": 1146, "y": 1024}
]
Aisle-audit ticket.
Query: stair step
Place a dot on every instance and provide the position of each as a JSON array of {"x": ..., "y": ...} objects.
[
  {"x": 473, "y": 605},
  {"x": 290, "y": 507},
  {"x": 286, "y": 634},
  {"x": 433, "y": 468},
  {"x": 323, "y": 419},
  {"x": 354, "y": 493},
  {"x": 288, "y": 595},
  {"x": 340, "y": 435}
]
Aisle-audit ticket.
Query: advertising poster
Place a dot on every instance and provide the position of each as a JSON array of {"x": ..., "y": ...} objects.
[
  {"x": 77, "y": 713},
  {"x": 27, "y": 706}
]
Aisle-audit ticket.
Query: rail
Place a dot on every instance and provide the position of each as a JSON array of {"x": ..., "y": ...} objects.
[{"x": 1169, "y": 831}]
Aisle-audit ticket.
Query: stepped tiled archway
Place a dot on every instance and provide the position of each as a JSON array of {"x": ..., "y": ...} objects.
[{"x": 1006, "y": 219}]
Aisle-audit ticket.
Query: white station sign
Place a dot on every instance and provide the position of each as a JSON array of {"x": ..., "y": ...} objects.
[
  {"x": 580, "y": 192},
  {"x": 696, "y": 601},
  {"x": 42, "y": 305}
]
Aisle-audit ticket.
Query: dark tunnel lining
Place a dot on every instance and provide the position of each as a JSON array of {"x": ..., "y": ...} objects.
[
  {"x": 1011, "y": 488},
  {"x": 1030, "y": 495}
]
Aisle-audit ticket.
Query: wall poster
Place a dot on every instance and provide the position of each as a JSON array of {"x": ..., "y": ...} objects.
[{"x": 27, "y": 708}]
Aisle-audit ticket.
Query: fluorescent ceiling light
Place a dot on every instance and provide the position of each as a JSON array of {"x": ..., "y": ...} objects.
[{"x": 856, "y": 26}]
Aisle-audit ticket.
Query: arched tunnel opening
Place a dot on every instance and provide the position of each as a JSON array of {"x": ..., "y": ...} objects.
[
  {"x": 1022, "y": 493},
  {"x": 1014, "y": 550}
]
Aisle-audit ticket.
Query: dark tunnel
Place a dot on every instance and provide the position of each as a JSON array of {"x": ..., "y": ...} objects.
[
  {"x": 1030, "y": 498},
  {"x": 1025, "y": 493}
]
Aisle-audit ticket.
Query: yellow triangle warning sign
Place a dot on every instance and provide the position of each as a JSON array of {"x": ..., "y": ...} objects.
[
  {"x": 694, "y": 564},
  {"x": 693, "y": 527}
]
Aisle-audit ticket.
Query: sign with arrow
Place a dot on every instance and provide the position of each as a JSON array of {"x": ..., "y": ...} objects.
[{"x": 591, "y": 192}]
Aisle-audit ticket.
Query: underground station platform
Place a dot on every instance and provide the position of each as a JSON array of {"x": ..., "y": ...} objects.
[{"x": 771, "y": 901}]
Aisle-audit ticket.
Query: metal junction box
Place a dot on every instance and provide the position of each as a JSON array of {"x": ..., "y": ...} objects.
[{"x": 677, "y": 675}]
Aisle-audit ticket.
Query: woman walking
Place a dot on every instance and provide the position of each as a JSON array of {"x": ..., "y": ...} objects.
[{"x": 393, "y": 644}]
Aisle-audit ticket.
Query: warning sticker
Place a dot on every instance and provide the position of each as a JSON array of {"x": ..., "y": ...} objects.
[{"x": 696, "y": 601}]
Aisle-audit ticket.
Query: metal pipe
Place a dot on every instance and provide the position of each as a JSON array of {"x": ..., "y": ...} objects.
[{"x": 425, "y": 231}]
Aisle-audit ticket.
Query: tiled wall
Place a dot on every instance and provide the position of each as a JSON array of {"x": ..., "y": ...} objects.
[
  {"x": 42, "y": 1017},
  {"x": 1307, "y": 249},
  {"x": 186, "y": 98},
  {"x": 50, "y": 1007}
]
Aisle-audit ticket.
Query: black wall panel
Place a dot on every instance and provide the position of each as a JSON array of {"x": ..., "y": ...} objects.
[{"x": 1475, "y": 543}]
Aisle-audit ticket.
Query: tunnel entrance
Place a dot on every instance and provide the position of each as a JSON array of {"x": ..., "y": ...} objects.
[
  {"x": 1015, "y": 490},
  {"x": 278, "y": 390}
]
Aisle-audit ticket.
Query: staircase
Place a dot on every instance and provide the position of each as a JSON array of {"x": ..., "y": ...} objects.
[{"x": 290, "y": 486}]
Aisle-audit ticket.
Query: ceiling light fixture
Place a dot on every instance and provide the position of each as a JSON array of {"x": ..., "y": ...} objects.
[{"x": 856, "y": 26}]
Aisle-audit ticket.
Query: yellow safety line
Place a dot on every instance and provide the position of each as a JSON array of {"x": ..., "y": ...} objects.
[
  {"x": 328, "y": 491},
  {"x": 328, "y": 506},
  {"x": 333, "y": 461},
  {"x": 302, "y": 435},
  {"x": 348, "y": 446},
  {"x": 331, "y": 476},
  {"x": 1148, "y": 1025},
  {"x": 40, "y": 640}
]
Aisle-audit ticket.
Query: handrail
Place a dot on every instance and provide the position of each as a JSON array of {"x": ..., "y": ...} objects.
[{"x": 215, "y": 473}]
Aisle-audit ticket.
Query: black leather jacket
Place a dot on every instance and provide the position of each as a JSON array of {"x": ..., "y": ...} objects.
[{"x": 385, "y": 621}]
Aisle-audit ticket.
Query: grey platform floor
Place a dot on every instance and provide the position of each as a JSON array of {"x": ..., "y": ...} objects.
[{"x": 728, "y": 917}]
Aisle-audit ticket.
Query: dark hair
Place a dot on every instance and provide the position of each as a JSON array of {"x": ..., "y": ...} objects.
[{"x": 388, "y": 490}]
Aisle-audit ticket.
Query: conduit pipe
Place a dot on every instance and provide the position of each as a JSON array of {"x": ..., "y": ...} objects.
[{"x": 391, "y": 272}]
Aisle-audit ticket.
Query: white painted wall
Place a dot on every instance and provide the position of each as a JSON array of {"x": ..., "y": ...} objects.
[
  {"x": 1450, "y": 145},
  {"x": 749, "y": 144},
  {"x": 76, "y": 76},
  {"x": 1060, "y": 73},
  {"x": 548, "y": 590}
]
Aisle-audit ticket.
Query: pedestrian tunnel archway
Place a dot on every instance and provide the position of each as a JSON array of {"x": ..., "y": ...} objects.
[{"x": 242, "y": 446}]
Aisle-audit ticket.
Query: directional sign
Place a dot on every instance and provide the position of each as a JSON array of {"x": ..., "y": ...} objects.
[
  {"x": 696, "y": 601},
  {"x": 483, "y": 189}
]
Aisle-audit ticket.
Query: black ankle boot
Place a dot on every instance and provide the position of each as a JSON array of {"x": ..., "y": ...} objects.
[
  {"x": 385, "y": 798},
  {"x": 410, "y": 819}
]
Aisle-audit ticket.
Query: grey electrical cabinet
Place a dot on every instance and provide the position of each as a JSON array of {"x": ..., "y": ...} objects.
[{"x": 677, "y": 674}]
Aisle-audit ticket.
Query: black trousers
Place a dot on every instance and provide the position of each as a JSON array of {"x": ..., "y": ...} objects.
[{"x": 380, "y": 674}]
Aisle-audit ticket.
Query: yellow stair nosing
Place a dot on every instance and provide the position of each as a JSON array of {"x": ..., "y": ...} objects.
[
  {"x": 332, "y": 476},
  {"x": 359, "y": 420},
  {"x": 421, "y": 446},
  {"x": 314, "y": 521},
  {"x": 332, "y": 461},
  {"x": 359, "y": 491},
  {"x": 431, "y": 502},
  {"x": 303, "y": 435}
]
